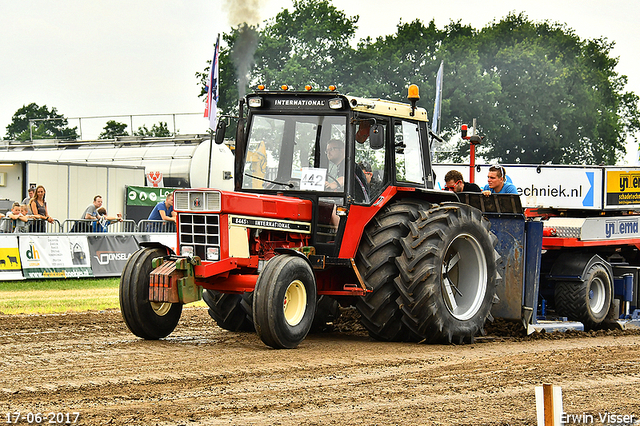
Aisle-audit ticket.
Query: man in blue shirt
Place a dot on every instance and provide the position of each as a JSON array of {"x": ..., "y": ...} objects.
[
  {"x": 497, "y": 182},
  {"x": 164, "y": 211}
]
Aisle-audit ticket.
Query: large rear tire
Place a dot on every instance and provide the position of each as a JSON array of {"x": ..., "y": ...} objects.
[
  {"x": 149, "y": 320},
  {"x": 588, "y": 301},
  {"x": 233, "y": 312},
  {"x": 448, "y": 275},
  {"x": 375, "y": 259},
  {"x": 284, "y": 301}
]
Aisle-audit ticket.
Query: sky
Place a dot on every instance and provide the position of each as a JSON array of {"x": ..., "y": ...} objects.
[{"x": 90, "y": 58}]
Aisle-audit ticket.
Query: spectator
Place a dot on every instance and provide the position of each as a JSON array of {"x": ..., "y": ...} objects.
[
  {"x": 101, "y": 224},
  {"x": 31, "y": 193},
  {"x": 9, "y": 222},
  {"x": 497, "y": 182},
  {"x": 163, "y": 211},
  {"x": 91, "y": 212},
  {"x": 22, "y": 224},
  {"x": 454, "y": 181},
  {"x": 39, "y": 210}
]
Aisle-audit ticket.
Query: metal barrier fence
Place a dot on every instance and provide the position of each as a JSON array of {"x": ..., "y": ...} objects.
[
  {"x": 87, "y": 226},
  {"x": 156, "y": 226},
  {"x": 34, "y": 226}
]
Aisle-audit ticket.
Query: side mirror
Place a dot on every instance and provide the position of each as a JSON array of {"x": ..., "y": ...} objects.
[
  {"x": 221, "y": 128},
  {"x": 376, "y": 136}
]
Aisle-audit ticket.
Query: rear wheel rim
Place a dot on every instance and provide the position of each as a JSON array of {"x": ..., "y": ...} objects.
[
  {"x": 295, "y": 303},
  {"x": 464, "y": 277},
  {"x": 597, "y": 295}
]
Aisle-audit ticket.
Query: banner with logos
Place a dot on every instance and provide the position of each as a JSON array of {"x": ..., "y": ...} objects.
[
  {"x": 146, "y": 196},
  {"x": 10, "y": 265},
  {"x": 623, "y": 187},
  {"x": 109, "y": 253},
  {"x": 54, "y": 256}
]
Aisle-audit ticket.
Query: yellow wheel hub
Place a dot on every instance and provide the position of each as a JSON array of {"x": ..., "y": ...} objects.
[{"x": 295, "y": 303}]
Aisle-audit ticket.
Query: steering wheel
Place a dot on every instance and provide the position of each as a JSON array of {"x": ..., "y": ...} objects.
[{"x": 339, "y": 187}]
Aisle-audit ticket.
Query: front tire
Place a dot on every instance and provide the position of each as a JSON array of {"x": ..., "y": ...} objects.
[
  {"x": 448, "y": 274},
  {"x": 588, "y": 301},
  {"x": 284, "y": 302},
  {"x": 148, "y": 320}
]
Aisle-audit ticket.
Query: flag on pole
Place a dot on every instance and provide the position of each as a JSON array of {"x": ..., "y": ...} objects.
[
  {"x": 437, "y": 103},
  {"x": 211, "y": 107}
]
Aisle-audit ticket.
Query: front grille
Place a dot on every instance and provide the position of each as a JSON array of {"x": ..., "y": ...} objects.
[
  {"x": 197, "y": 201},
  {"x": 201, "y": 231}
]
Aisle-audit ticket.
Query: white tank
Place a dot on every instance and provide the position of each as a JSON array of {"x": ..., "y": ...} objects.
[{"x": 182, "y": 160}]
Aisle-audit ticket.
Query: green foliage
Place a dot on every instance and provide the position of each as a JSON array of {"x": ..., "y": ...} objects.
[
  {"x": 49, "y": 124},
  {"x": 540, "y": 93},
  {"x": 113, "y": 129},
  {"x": 160, "y": 130}
]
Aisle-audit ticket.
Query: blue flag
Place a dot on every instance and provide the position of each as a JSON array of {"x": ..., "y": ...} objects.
[{"x": 437, "y": 103}]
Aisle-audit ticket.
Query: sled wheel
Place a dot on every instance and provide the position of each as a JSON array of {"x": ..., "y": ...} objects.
[
  {"x": 588, "y": 301},
  {"x": 149, "y": 320},
  {"x": 284, "y": 301}
]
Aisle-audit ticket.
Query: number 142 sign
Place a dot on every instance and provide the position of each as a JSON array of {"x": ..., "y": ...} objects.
[{"x": 313, "y": 179}]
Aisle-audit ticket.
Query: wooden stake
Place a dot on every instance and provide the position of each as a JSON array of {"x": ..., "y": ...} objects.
[{"x": 548, "y": 405}]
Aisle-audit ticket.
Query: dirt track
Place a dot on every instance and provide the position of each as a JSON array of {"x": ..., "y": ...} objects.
[{"x": 90, "y": 363}]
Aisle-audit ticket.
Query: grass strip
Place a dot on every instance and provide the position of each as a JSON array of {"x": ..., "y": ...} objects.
[{"x": 59, "y": 296}]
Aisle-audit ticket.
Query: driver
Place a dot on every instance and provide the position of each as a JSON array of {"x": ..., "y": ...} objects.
[{"x": 335, "y": 174}]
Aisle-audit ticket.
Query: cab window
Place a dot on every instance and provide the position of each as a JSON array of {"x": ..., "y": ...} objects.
[{"x": 408, "y": 153}]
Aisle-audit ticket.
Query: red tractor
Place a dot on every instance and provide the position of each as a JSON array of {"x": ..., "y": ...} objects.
[{"x": 333, "y": 204}]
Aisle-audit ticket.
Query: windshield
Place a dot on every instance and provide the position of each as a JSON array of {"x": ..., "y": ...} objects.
[{"x": 289, "y": 152}]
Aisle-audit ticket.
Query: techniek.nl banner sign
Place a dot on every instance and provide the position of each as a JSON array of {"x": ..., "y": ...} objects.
[
  {"x": 109, "y": 253},
  {"x": 54, "y": 256},
  {"x": 10, "y": 265}
]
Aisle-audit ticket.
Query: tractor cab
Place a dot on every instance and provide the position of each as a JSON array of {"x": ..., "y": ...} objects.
[{"x": 337, "y": 151}]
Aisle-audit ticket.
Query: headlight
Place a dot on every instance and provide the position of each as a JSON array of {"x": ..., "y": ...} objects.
[
  {"x": 335, "y": 103},
  {"x": 255, "y": 102},
  {"x": 186, "y": 250},
  {"x": 213, "y": 253}
]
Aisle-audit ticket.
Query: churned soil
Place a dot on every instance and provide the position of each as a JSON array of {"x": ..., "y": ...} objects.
[{"x": 91, "y": 364}]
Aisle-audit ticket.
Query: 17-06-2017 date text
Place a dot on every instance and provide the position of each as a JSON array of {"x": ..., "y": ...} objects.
[{"x": 16, "y": 417}]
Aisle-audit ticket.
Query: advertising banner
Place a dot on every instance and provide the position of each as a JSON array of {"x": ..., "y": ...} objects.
[
  {"x": 109, "y": 253},
  {"x": 146, "y": 196},
  {"x": 623, "y": 187},
  {"x": 54, "y": 256},
  {"x": 571, "y": 187},
  {"x": 10, "y": 265}
]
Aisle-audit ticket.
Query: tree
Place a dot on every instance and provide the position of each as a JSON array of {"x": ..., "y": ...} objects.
[
  {"x": 561, "y": 100},
  {"x": 113, "y": 129},
  {"x": 308, "y": 45},
  {"x": 48, "y": 124},
  {"x": 160, "y": 130},
  {"x": 540, "y": 93}
]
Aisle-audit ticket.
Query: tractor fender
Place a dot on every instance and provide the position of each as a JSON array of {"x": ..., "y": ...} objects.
[
  {"x": 574, "y": 267},
  {"x": 292, "y": 252},
  {"x": 156, "y": 244}
]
